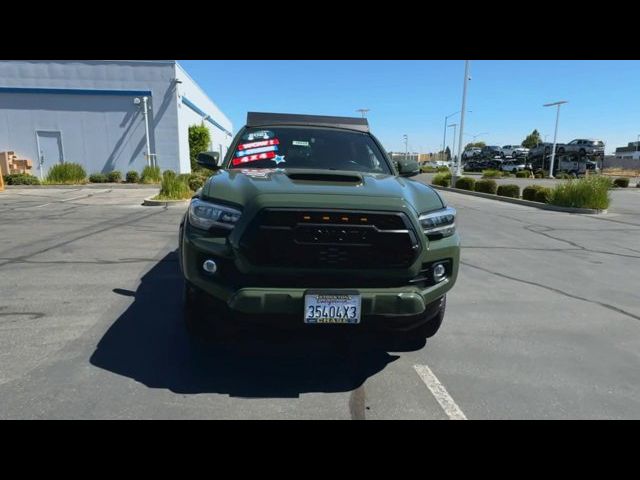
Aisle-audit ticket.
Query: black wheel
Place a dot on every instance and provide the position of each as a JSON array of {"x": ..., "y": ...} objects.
[
  {"x": 560, "y": 151},
  {"x": 204, "y": 316}
]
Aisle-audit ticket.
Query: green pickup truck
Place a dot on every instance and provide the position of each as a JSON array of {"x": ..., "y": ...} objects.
[{"x": 306, "y": 222}]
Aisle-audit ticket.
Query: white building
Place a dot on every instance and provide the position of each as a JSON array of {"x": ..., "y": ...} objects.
[{"x": 92, "y": 112}]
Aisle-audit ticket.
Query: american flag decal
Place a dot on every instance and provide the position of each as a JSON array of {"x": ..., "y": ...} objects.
[{"x": 253, "y": 158}]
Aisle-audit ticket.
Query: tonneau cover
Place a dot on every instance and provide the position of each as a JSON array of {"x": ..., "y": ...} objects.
[{"x": 261, "y": 119}]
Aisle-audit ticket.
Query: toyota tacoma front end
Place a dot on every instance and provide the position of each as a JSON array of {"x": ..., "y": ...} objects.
[{"x": 307, "y": 222}]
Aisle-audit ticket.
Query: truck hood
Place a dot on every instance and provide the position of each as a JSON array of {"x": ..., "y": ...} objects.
[{"x": 242, "y": 186}]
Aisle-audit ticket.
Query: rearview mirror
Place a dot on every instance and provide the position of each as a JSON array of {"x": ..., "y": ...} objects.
[{"x": 209, "y": 160}]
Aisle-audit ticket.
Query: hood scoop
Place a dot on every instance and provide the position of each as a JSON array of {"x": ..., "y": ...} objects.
[{"x": 326, "y": 176}]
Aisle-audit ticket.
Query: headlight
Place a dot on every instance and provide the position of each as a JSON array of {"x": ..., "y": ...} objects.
[
  {"x": 205, "y": 215},
  {"x": 439, "y": 224}
]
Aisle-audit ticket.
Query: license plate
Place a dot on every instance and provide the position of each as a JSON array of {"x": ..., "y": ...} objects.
[{"x": 332, "y": 307}]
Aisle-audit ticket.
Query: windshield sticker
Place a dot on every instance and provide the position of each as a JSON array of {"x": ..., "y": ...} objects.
[
  {"x": 279, "y": 159},
  {"x": 253, "y": 158},
  {"x": 263, "y": 143},
  {"x": 260, "y": 135},
  {"x": 300, "y": 143},
  {"x": 251, "y": 151}
]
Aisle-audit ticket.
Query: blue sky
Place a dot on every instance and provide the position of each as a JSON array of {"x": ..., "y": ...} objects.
[{"x": 505, "y": 96}]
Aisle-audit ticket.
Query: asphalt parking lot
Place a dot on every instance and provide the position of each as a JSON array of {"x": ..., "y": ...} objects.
[{"x": 544, "y": 323}]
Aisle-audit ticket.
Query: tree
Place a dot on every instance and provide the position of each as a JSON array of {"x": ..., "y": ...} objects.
[
  {"x": 199, "y": 140},
  {"x": 532, "y": 139},
  {"x": 475, "y": 145},
  {"x": 447, "y": 153}
]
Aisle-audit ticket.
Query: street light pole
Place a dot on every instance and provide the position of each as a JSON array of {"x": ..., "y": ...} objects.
[
  {"x": 444, "y": 138},
  {"x": 406, "y": 146},
  {"x": 464, "y": 107},
  {"x": 453, "y": 150},
  {"x": 363, "y": 111},
  {"x": 555, "y": 135}
]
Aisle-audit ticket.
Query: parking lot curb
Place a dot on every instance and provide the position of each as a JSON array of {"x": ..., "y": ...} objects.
[
  {"x": 150, "y": 202},
  {"x": 519, "y": 201}
]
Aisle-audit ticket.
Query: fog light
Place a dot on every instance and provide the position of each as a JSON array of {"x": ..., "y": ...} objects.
[
  {"x": 439, "y": 272},
  {"x": 209, "y": 266}
]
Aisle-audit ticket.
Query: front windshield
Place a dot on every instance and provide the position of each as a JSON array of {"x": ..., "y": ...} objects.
[{"x": 308, "y": 147}]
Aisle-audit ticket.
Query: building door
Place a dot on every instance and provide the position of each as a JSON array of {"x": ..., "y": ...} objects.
[{"x": 49, "y": 149}]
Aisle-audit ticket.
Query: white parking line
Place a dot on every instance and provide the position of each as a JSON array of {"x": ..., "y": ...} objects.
[
  {"x": 440, "y": 393},
  {"x": 71, "y": 199}
]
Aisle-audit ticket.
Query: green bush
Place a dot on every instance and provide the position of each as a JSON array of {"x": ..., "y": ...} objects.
[
  {"x": 466, "y": 183},
  {"x": 537, "y": 175},
  {"x": 196, "y": 181},
  {"x": 151, "y": 175},
  {"x": 622, "y": 182},
  {"x": 486, "y": 186},
  {"x": 512, "y": 191},
  {"x": 132, "y": 176},
  {"x": 563, "y": 176},
  {"x": 20, "y": 179},
  {"x": 98, "y": 178},
  {"x": 114, "y": 176},
  {"x": 67, "y": 173},
  {"x": 541, "y": 174},
  {"x": 199, "y": 140},
  {"x": 491, "y": 174},
  {"x": 442, "y": 179},
  {"x": 529, "y": 192},
  {"x": 507, "y": 175},
  {"x": 174, "y": 187},
  {"x": 523, "y": 174},
  {"x": 588, "y": 192},
  {"x": 543, "y": 195},
  {"x": 432, "y": 169}
]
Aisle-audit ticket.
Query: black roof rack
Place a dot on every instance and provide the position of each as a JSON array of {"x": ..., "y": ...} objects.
[{"x": 260, "y": 119}]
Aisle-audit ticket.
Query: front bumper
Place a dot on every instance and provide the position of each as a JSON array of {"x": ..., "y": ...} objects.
[{"x": 282, "y": 294}]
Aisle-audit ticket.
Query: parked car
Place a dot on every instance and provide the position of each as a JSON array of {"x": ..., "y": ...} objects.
[
  {"x": 584, "y": 147},
  {"x": 574, "y": 163},
  {"x": 441, "y": 163},
  {"x": 542, "y": 149},
  {"x": 471, "y": 153},
  {"x": 305, "y": 223},
  {"x": 515, "y": 151},
  {"x": 483, "y": 164},
  {"x": 491, "y": 151},
  {"x": 569, "y": 163},
  {"x": 514, "y": 166}
]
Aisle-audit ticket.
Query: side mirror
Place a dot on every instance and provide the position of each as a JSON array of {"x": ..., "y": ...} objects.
[
  {"x": 209, "y": 160},
  {"x": 407, "y": 169}
]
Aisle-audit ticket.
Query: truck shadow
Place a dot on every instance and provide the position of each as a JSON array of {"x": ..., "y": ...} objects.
[{"x": 149, "y": 344}]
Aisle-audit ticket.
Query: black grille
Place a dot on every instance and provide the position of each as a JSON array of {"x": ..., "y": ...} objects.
[{"x": 330, "y": 239}]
